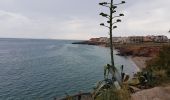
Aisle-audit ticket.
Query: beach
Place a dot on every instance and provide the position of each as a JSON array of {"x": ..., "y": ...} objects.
[{"x": 140, "y": 61}]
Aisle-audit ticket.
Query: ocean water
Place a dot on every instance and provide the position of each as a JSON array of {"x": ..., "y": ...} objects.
[{"x": 33, "y": 69}]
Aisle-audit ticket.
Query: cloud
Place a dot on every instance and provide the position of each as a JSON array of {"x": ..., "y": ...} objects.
[
  {"x": 144, "y": 17},
  {"x": 17, "y": 25},
  {"x": 35, "y": 19},
  {"x": 77, "y": 28},
  {"x": 11, "y": 22}
]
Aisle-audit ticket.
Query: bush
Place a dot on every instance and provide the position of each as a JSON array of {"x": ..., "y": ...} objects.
[{"x": 160, "y": 65}]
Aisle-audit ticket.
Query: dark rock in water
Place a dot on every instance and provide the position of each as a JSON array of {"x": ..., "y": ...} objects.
[
  {"x": 82, "y": 42},
  {"x": 88, "y": 43}
]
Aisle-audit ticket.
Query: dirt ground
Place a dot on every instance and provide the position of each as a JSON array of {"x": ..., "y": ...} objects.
[{"x": 157, "y": 93}]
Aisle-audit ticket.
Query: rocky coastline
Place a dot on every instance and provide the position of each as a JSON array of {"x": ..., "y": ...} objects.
[
  {"x": 140, "y": 54},
  {"x": 91, "y": 43}
]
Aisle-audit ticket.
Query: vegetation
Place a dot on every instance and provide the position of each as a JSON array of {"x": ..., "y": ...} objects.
[
  {"x": 109, "y": 89},
  {"x": 114, "y": 94},
  {"x": 156, "y": 73},
  {"x": 160, "y": 66}
]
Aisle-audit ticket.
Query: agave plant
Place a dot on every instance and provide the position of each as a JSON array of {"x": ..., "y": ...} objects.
[
  {"x": 101, "y": 87},
  {"x": 107, "y": 83},
  {"x": 108, "y": 69}
]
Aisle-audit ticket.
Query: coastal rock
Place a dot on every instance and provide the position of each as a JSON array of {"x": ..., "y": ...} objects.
[
  {"x": 86, "y": 42},
  {"x": 90, "y": 43}
]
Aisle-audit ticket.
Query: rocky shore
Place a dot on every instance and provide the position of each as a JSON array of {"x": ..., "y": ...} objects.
[
  {"x": 140, "y": 49},
  {"x": 90, "y": 43},
  {"x": 140, "y": 54}
]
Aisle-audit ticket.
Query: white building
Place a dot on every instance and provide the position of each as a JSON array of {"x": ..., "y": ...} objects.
[
  {"x": 116, "y": 39},
  {"x": 136, "y": 39},
  {"x": 103, "y": 39},
  {"x": 161, "y": 38}
]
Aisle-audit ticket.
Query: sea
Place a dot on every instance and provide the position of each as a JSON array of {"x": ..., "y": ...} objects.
[{"x": 41, "y": 69}]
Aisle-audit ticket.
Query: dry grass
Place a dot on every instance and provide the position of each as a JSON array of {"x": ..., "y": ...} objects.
[
  {"x": 160, "y": 73},
  {"x": 112, "y": 94}
]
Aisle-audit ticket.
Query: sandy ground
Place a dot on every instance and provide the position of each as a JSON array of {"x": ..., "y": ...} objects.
[
  {"x": 140, "y": 61},
  {"x": 157, "y": 93}
]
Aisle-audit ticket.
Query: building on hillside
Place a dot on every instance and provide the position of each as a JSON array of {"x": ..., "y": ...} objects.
[
  {"x": 94, "y": 39},
  {"x": 124, "y": 40},
  {"x": 120, "y": 40},
  {"x": 161, "y": 39},
  {"x": 149, "y": 38},
  {"x": 103, "y": 39},
  {"x": 136, "y": 39},
  {"x": 116, "y": 39}
]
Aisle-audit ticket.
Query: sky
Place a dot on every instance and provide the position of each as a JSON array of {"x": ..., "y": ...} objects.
[{"x": 79, "y": 19}]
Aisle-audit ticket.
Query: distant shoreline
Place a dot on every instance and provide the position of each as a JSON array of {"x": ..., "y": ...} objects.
[{"x": 139, "y": 53}]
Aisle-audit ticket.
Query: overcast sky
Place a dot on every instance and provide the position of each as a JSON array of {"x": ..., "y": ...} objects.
[{"x": 79, "y": 19}]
